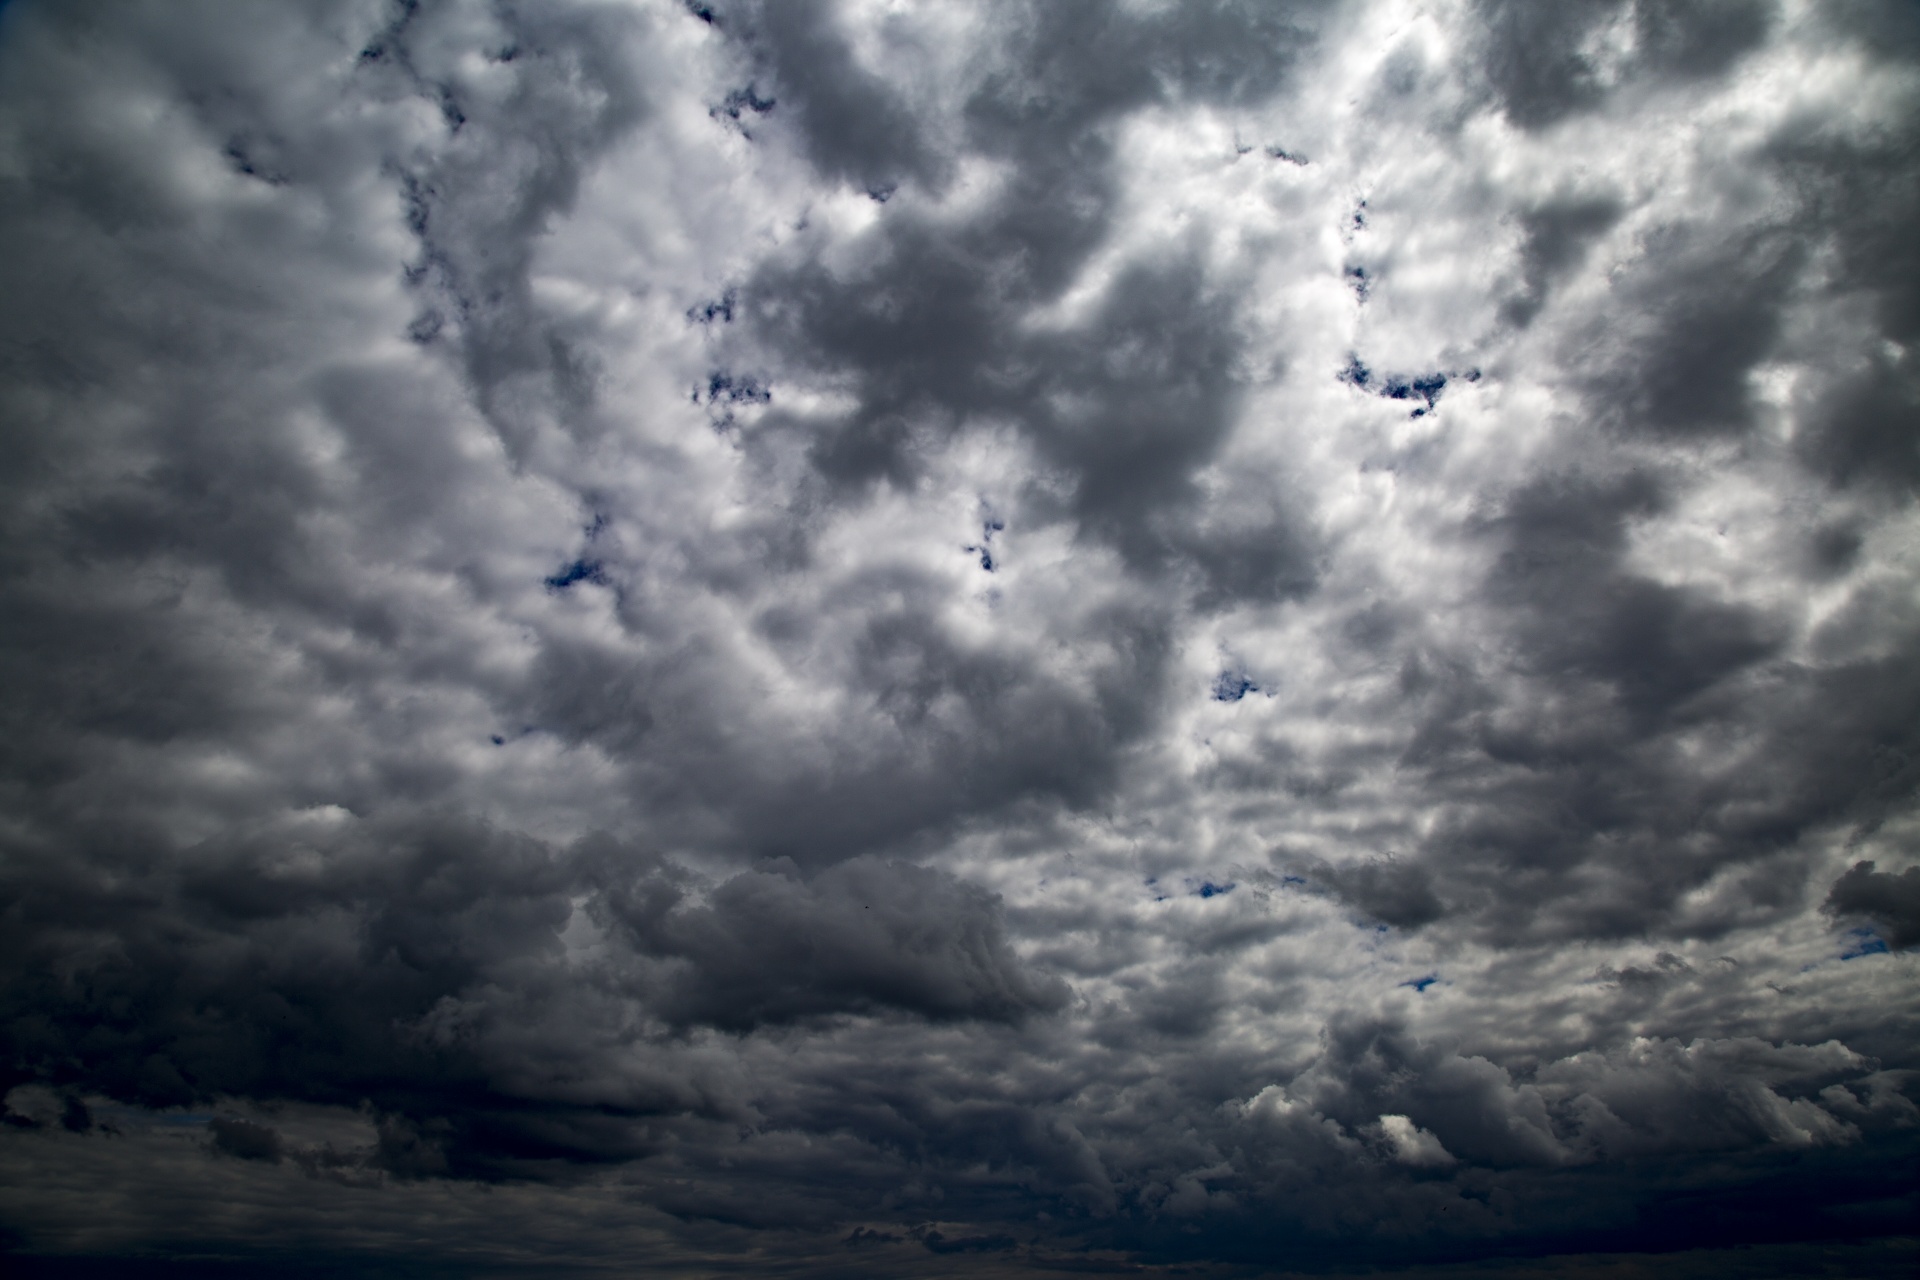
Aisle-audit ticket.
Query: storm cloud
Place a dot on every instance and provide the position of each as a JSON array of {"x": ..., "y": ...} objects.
[{"x": 923, "y": 639}]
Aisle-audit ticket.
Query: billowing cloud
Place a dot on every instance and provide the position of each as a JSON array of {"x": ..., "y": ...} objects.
[
  {"x": 921, "y": 638},
  {"x": 1892, "y": 902}
]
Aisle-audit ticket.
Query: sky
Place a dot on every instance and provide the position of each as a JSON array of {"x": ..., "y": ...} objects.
[{"x": 912, "y": 639}]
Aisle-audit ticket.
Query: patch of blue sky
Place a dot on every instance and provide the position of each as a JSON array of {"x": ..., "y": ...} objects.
[
  {"x": 1232, "y": 686},
  {"x": 579, "y": 571},
  {"x": 1863, "y": 942}
]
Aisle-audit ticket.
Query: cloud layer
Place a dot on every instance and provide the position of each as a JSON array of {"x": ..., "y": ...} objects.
[{"x": 1018, "y": 637}]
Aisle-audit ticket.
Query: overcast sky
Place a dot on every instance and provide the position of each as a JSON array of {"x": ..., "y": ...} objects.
[{"x": 937, "y": 639}]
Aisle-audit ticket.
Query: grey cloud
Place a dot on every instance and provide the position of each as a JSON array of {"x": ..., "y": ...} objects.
[
  {"x": 1534, "y": 60},
  {"x": 1130, "y": 408},
  {"x": 270, "y": 979},
  {"x": 947, "y": 729},
  {"x": 1558, "y": 234},
  {"x": 1472, "y": 1105},
  {"x": 1418, "y": 1133},
  {"x": 1655, "y": 645},
  {"x": 406, "y": 965},
  {"x": 1883, "y": 28},
  {"x": 513, "y": 161},
  {"x": 1090, "y": 61},
  {"x": 1863, "y": 423},
  {"x": 245, "y": 1139},
  {"x": 1705, "y": 315},
  {"x": 857, "y": 127},
  {"x": 928, "y": 328},
  {"x": 1542, "y": 62},
  {"x": 768, "y": 947},
  {"x": 1634, "y": 663},
  {"x": 1891, "y": 901},
  {"x": 1395, "y": 893},
  {"x": 1709, "y": 1094},
  {"x": 35, "y": 1106},
  {"x": 1699, "y": 37},
  {"x": 1868, "y": 426}
]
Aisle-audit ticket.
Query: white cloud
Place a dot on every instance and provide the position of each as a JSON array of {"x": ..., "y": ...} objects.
[{"x": 1413, "y": 1145}]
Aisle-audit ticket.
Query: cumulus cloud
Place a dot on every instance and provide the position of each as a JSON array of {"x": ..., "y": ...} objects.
[
  {"x": 1891, "y": 901},
  {"x": 957, "y": 637},
  {"x": 1413, "y": 1145}
]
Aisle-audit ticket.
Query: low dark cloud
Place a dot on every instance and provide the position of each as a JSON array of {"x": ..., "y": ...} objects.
[
  {"x": 1534, "y": 58},
  {"x": 1546, "y": 64},
  {"x": 1703, "y": 318},
  {"x": 1699, "y": 37},
  {"x": 1890, "y": 901},
  {"x": 1558, "y": 236},
  {"x": 861, "y": 937},
  {"x": 244, "y": 1139}
]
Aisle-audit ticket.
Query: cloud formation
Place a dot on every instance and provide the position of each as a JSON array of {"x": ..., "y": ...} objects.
[{"x": 1021, "y": 637}]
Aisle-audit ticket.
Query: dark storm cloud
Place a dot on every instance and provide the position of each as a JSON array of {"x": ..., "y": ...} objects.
[
  {"x": 1544, "y": 62},
  {"x": 1634, "y": 662},
  {"x": 1029, "y": 763},
  {"x": 1884, "y": 28},
  {"x": 1867, "y": 427},
  {"x": 858, "y": 128},
  {"x": 1578, "y": 815},
  {"x": 1534, "y": 60},
  {"x": 245, "y": 1139},
  {"x": 1706, "y": 314},
  {"x": 1450, "y": 1147},
  {"x": 952, "y": 731},
  {"x": 1891, "y": 901},
  {"x": 1393, "y": 893},
  {"x": 402, "y": 967},
  {"x": 1659, "y": 1096},
  {"x": 1651, "y": 645},
  {"x": 769, "y": 947},
  {"x": 1698, "y": 37},
  {"x": 1866, "y": 417},
  {"x": 1558, "y": 234}
]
